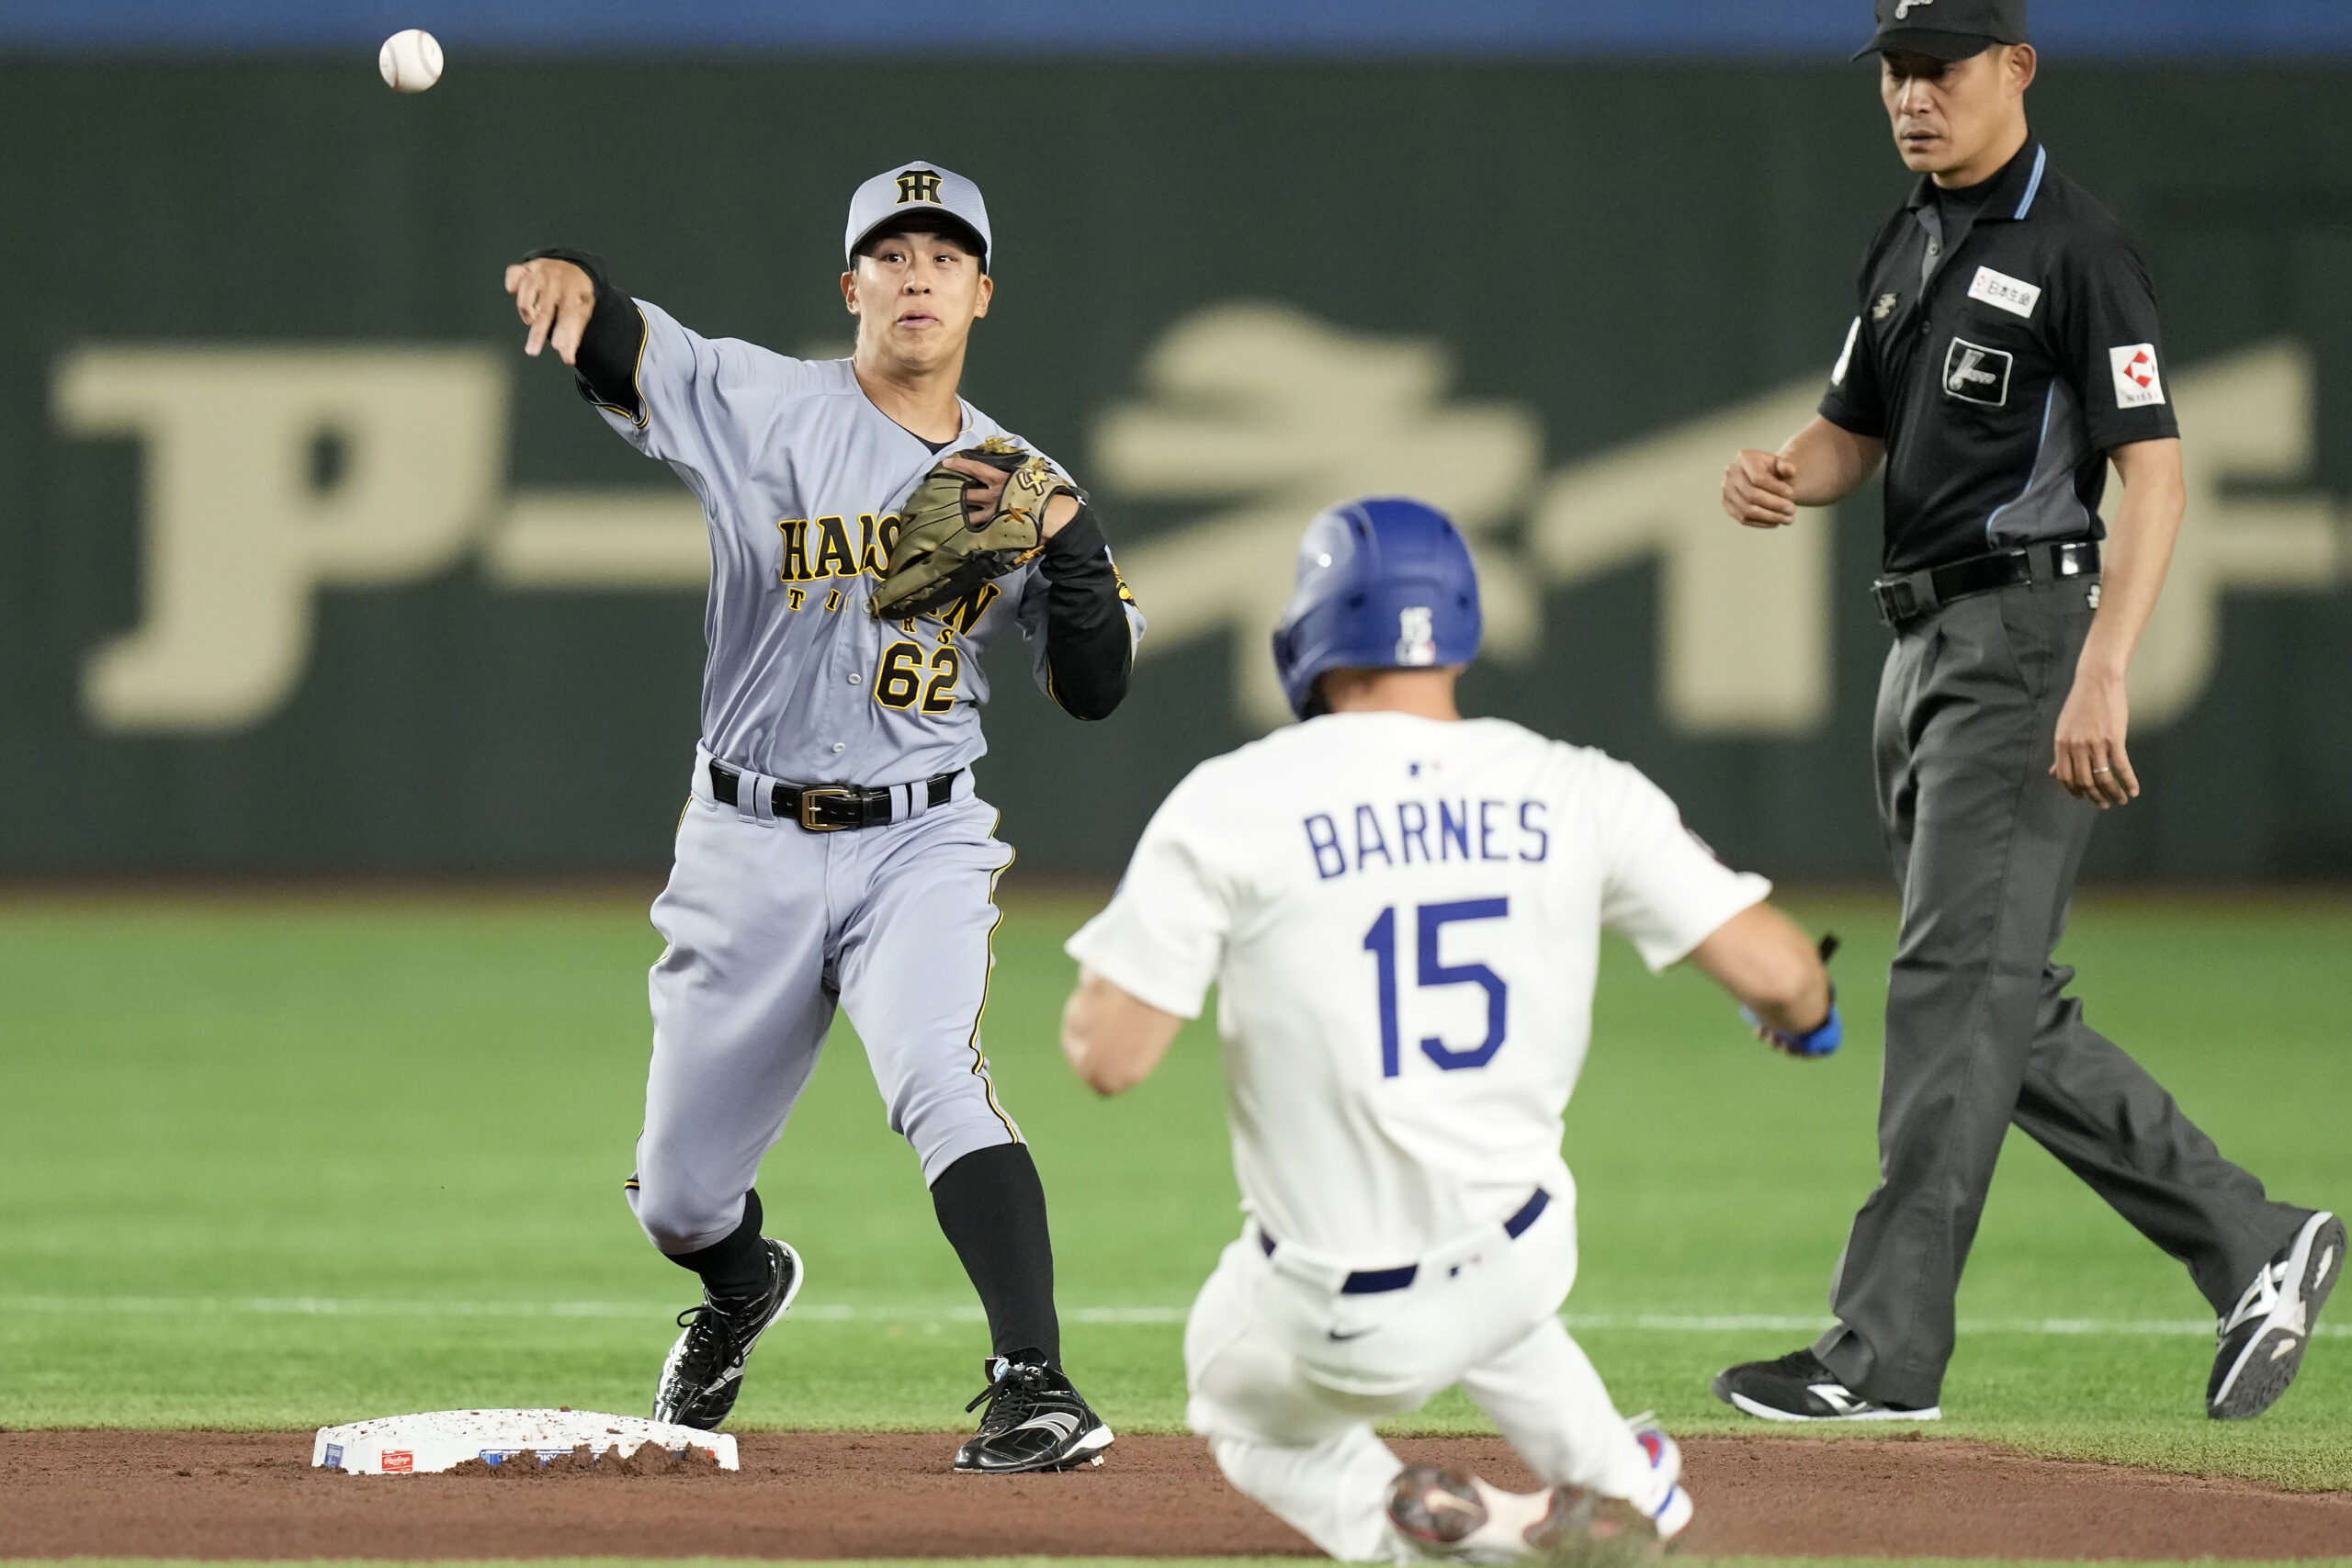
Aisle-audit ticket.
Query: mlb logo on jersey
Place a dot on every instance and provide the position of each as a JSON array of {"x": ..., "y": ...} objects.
[{"x": 1415, "y": 636}]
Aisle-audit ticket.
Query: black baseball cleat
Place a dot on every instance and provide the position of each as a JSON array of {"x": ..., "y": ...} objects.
[
  {"x": 704, "y": 1371},
  {"x": 2263, "y": 1339},
  {"x": 1034, "y": 1420},
  {"x": 1798, "y": 1387}
]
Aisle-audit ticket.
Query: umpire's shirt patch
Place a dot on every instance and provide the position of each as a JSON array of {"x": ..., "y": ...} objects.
[
  {"x": 1975, "y": 374},
  {"x": 1986, "y": 359}
]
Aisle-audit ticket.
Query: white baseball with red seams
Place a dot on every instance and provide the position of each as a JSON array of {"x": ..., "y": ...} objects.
[{"x": 409, "y": 62}]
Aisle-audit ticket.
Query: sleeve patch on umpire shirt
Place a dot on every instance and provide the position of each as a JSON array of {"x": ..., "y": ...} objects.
[
  {"x": 1845, "y": 354},
  {"x": 1975, "y": 374},
  {"x": 1999, "y": 289},
  {"x": 2137, "y": 383}
]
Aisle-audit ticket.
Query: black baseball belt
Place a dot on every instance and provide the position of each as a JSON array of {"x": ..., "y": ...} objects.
[
  {"x": 833, "y": 808},
  {"x": 1372, "y": 1281},
  {"x": 1913, "y": 595}
]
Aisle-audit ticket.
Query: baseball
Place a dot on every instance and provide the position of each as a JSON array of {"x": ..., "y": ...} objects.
[{"x": 410, "y": 61}]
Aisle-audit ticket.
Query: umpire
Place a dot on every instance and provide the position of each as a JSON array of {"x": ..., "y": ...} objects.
[{"x": 2005, "y": 352}]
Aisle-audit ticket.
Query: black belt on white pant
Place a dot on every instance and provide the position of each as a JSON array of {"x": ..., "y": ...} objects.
[
  {"x": 1372, "y": 1281},
  {"x": 832, "y": 809}
]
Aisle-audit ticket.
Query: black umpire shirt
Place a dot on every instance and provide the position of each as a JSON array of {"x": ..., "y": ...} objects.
[{"x": 2005, "y": 342}]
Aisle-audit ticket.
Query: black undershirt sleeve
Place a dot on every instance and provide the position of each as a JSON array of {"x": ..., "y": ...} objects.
[
  {"x": 1089, "y": 652},
  {"x": 606, "y": 366}
]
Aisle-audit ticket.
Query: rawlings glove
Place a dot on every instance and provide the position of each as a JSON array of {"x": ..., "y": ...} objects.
[
  {"x": 1821, "y": 1041},
  {"x": 942, "y": 553}
]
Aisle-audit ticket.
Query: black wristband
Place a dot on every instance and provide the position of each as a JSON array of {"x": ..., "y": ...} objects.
[
  {"x": 1079, "y": 541},
  {"x": 605, "y": 367}
]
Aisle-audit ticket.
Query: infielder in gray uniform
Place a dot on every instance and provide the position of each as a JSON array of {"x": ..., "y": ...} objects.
[{"x": 834, "y": 852}]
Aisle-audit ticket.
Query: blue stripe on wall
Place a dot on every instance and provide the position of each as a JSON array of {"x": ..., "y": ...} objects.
[{"x": 1189, "y": 27}]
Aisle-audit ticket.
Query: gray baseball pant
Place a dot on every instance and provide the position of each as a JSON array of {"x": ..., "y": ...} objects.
[
  {"x": 770, "y": 926},
  {"x": 1979, "y": 1033}
]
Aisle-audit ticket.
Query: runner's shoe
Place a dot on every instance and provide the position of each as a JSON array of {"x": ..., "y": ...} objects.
[
  {"x": 1673, "y": 1510},
  {"x": 1451, "y": 1515},
  {"x": 2263, "y": 1339},
  {"x": 1444, "y": 1513},
  {"x": 1035, "y": 1420},
  {"x": 1798, "y": 1387},
  {"x": 705, "y": 1370}
]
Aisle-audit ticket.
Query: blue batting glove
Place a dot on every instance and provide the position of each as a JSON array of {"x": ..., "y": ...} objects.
[{"x": 1822, "y": 1041}]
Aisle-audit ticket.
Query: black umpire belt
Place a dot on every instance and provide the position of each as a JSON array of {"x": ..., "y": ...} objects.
[
  {"x": 1906, "y": 598},
  {"x": 832, "y": 809},
  {"x": 1372, "y": 1281}
]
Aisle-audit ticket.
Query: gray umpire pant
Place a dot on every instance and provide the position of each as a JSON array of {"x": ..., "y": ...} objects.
[{"x": 1979, "y": 1033}]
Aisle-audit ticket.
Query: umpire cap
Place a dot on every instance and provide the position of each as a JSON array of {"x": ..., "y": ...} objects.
[
  {"x": 1946, "y": 29},
  {"x": 1384, "y": 583}
]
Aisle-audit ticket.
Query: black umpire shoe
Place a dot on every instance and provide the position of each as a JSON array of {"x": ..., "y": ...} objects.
[
  {"x": 2263, "y": 1338},
  {"x": 1798, "y": 1387},
  {"x": 1035, "y": 1420},
  {"x": 704, "y": 1371}
]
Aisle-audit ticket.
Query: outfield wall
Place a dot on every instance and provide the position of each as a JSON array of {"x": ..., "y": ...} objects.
[{"x": 302, "y": 566}]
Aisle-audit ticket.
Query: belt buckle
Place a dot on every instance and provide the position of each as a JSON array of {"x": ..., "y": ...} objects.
[
  {"x": 1897, "y": 600},
  {"x": 809, "y": 799}
]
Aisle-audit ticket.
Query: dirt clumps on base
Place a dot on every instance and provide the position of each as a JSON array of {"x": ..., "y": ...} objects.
[
  {"x": 839, "y": 1495},
  {"x": 586, "y": 1463}
]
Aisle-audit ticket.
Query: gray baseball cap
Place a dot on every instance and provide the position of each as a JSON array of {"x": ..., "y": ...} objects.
[
  {"x": 913, "y": 189},
  {"x": 1946, "y": 29}
]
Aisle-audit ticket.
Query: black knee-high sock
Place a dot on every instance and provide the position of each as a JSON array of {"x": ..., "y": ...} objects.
[
  {"x": 735, "y": 1266},
  {"x": 991, "y": 1207}
]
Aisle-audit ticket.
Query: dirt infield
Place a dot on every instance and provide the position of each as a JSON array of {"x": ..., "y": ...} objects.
[{"x": 890, "y": 1495}]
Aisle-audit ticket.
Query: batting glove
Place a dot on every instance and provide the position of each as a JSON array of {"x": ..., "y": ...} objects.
[{"x": 1823, "y": 1039}]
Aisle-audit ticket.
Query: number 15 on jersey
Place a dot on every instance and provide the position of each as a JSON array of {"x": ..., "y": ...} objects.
[{"x": 1432, "y": 972}]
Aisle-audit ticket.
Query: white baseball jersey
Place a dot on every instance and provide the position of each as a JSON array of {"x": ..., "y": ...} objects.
[
  {"x": 1403, "y": 916},
  {"x": 801, "y": 477}
]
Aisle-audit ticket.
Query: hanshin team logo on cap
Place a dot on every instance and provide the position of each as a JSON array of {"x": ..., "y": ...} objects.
[{"x": 887, "y": 197}]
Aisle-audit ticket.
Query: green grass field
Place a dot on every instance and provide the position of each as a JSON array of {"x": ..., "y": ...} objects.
[{"x": 277, "y": 1163}]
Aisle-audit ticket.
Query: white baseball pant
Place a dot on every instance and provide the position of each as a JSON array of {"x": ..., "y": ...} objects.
[{"x": 1287, "y": 1372}]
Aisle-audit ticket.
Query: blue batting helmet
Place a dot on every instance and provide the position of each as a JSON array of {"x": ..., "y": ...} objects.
[{"x": 1384, "y": 583}]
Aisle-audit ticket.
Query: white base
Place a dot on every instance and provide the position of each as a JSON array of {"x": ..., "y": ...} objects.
[{"x": 442, "y": 1440}]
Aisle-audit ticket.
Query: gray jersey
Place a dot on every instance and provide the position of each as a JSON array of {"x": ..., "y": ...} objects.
[{"x": 801, "y": 477}]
